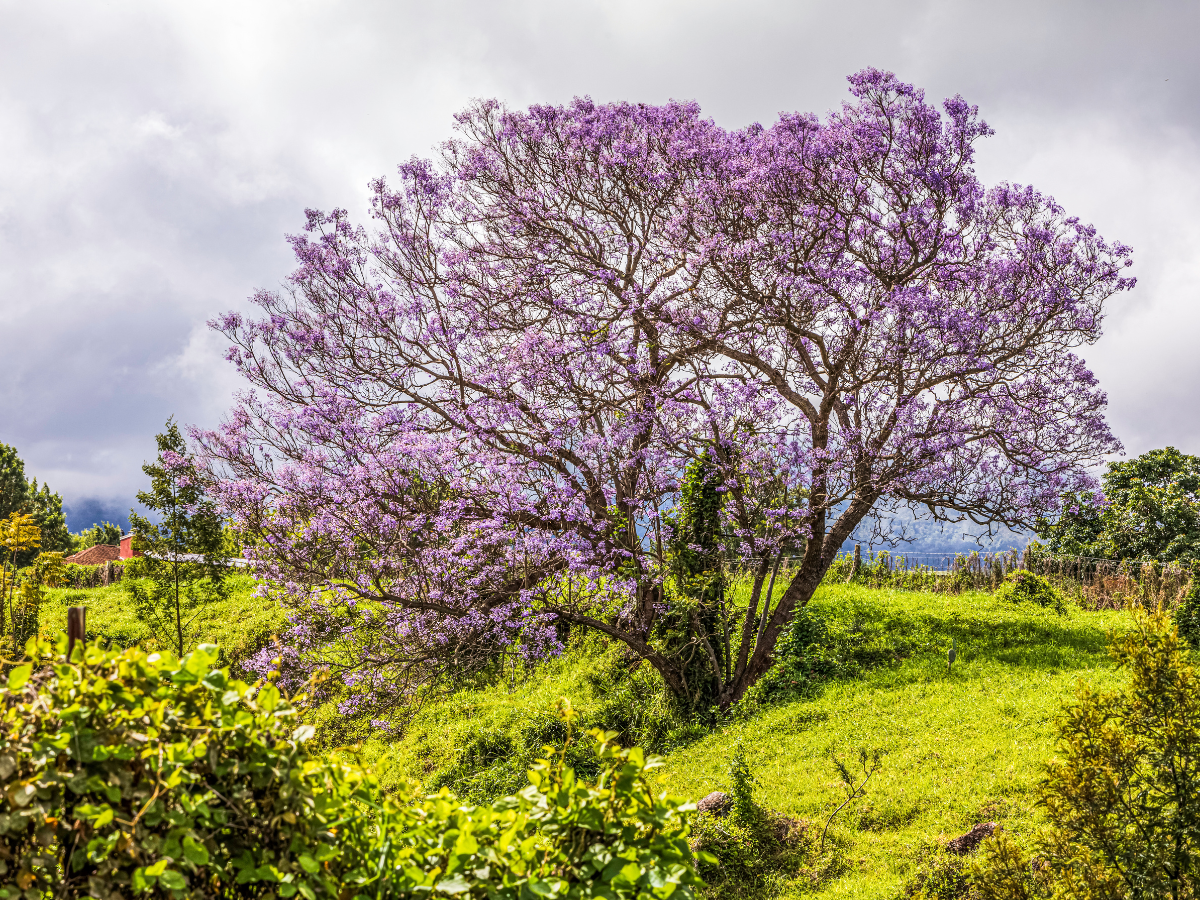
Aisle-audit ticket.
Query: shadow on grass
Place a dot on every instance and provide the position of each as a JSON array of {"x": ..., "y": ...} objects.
[{"x": 848, "y": 634}]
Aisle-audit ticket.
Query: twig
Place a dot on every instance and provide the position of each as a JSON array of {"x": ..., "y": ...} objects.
[{"x": 849, "y": 782}]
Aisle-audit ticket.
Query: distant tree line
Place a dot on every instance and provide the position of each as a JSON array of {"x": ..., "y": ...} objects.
[{"x": 18, "y": 494}]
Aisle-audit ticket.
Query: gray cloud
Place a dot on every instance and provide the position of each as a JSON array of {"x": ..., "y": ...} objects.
[{"x": 155, "y": 154}]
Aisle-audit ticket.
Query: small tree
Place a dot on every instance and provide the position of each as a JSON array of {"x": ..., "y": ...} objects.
[
  {"x": 18, "y": 534},
  {"x": 185, "y": 553}
]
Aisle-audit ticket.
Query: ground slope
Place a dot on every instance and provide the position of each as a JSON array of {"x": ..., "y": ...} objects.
[{"x": 960, "y": 746}]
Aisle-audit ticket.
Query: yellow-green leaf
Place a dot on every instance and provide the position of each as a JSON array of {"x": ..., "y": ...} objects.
[{"x": 18, "y": 676}]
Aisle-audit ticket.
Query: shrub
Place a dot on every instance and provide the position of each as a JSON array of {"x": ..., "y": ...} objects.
[
  {"x": 940, "y": 876},
  {"x": 126, "y": 773},
  {"x": 754, "y": 850},
  {"x": 634, "y": 705},
  {"x": 1022, "y": 586},
  {"x": 495, "y": 763},
  {"x": 1187, "y": 613},
  {"x": 817, "y": 647},
  {"x": 638, "y": 706},
  {"x": 1004, "y": 871}
]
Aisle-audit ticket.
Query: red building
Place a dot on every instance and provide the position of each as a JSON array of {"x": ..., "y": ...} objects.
[{"x": 127, "y": 551}]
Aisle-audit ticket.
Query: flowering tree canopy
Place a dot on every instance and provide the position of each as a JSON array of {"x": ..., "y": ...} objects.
[{"x": 471, "y": 425}]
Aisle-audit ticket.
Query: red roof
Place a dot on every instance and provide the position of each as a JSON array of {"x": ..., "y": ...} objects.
[{"x": 95, "y": 556}]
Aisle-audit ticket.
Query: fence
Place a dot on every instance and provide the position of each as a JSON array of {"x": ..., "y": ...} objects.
[
  {"x": 1093, "y": 583},
  {"x": 93, "y": 576}
]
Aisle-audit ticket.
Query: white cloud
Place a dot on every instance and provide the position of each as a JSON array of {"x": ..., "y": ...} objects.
[{"x": 155, "y": 154}]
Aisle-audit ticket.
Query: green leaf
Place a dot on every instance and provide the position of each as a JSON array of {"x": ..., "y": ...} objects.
[
  {"x": 210, "y": 653},
  {"x": 303, "y": 733},
  {"x": 21, "y": 794},
  {"x": 268, "y": 698},
  {"x": 215, "y": 680},
  {"x": 196, "y": 852},
  {"x": 173, "y": 880},
  {"x": 18, "y": 676},
  {"x": 308, "y": 864},
  {"x": 455, "y": 884}
]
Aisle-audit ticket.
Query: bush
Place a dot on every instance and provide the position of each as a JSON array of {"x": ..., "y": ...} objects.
[
  {"x": 940, "y": 876},
  {"x": 1022, "y": 586},
  {"x": 639, "y": 707},
  {"x": 634, "y": 704},
  {"x": 126, "y": 773},
  {"x": 753, "y": 851},
  {"x": 1123, "y": 799},
  {"x": 496, "y": 763},
  {"x": 1187, "y": 613},
  {"x": 1004, "y": 871},
  {"x": 817, "y": 647}
]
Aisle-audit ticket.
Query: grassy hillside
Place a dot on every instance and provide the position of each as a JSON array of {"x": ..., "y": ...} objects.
[
  {"x": 239, "y": 625},
  {"x": 959, "y": 747}
]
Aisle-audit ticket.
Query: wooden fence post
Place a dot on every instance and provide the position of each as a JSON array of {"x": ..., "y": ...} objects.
[{"x": 76, "y": 627}]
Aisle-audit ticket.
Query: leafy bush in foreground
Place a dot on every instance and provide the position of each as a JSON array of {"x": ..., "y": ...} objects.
[{"x": 133, "y": 774}]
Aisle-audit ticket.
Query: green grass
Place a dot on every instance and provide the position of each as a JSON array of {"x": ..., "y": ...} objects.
[
  {"x": 441, "y": 729},
  {"x": 239, "y": 624},
  {"x": 959, "y": 747}
]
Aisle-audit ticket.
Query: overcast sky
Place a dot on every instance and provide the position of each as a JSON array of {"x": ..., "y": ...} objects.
[{"x": 154, "y": 155}]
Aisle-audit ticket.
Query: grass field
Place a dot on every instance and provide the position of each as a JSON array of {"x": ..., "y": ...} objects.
[
  {"x": 959, "y": 746},
  {"x": 239, "y": 625}
]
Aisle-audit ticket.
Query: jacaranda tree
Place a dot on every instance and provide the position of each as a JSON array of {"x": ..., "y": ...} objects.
[{"x": 471, "y": 423}]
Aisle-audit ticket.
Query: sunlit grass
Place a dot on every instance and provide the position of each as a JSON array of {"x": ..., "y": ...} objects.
[
  {"x": 961, "y": 746},
  {"x": 238, "y": 624}
]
